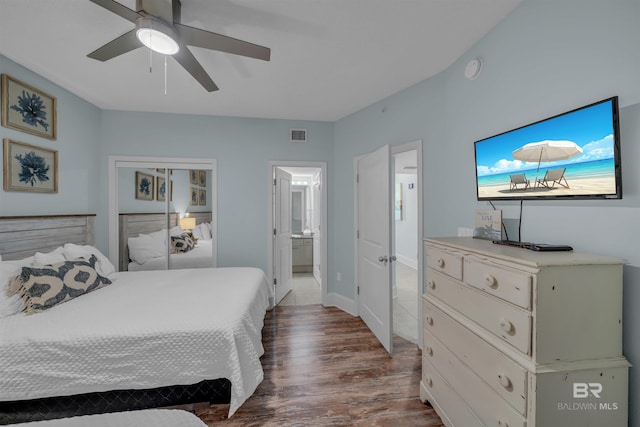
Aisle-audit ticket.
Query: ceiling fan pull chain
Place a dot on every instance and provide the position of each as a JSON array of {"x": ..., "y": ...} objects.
[
  {"x": 150, "y": 61},
  {"x": 165, "y": 74}
]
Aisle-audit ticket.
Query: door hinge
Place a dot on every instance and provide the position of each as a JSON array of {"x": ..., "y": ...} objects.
[
  {"x": 358, "y": 290},
  {"x": 274, "y": 231},
  {"x": 274, "y": 181},
  {"x": 275, "y": 281},
  {"x": 357, "y": 178},
  {"x": 357, "y": 234}
]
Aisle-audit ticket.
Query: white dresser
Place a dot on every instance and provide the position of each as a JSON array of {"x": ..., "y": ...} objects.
[{"x": 516, "y": 338}]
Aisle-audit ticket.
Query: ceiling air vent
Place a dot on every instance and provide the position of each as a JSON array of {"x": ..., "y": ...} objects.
[{"x": 298, "y": 135}]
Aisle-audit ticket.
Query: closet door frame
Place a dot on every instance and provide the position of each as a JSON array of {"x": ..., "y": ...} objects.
[{"x": 116, "y": 162}]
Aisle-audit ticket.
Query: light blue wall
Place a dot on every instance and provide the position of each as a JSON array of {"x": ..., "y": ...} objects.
[
  {"x": 242, "y": 148},
  {"x": 77, "y": 146},
  {"x": 547, "y": 57}
]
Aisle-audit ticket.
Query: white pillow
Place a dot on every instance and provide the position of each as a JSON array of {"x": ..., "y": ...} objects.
[
  {"x": 56, "y": 255},
  {"x": 204, "y": 230},
  {"x": 72, "y": 251},
  {"x": 8, "y": 270},
  {"x": 197, "y": 233},
  {"x": 145, "y": 247}
]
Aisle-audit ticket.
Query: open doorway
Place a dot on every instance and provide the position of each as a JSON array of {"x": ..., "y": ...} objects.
[
  {"x": 377, "y": 270},
  {"x": 298, "y": 251},
  {"x": 405, "y": 269}
]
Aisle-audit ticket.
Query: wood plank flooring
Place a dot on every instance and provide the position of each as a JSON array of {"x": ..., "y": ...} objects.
[{"x": 323, "y": 367}]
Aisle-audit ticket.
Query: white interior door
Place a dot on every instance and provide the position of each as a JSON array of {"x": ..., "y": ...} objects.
[
  {"x": 374, "y": 245},
  {"x": 283, "y": 276}
]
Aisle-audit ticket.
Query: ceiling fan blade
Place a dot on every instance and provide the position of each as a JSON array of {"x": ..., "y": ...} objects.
[
  {"x": 200, "y": 38},
  {"x": 191, "y": 64},
  {"x": 118, "y": 9},
  {"x": 116, "y": 47}
]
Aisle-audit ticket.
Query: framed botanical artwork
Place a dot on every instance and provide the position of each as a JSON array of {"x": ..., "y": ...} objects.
[
  {"x": 195, "y": 193},
  {"x": 193, "y": 177},
  {"x": 144, "y": 186},
  {"x": 202, "y": 178},
  {"x": 161, "y": 189},
  {"x": 28, "y": 109},
  {"x": 202, "y": 197},
  {"x": 30, "y": 168}
]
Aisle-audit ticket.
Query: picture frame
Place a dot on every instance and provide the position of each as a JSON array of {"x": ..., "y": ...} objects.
[
  {"x": 193, "y": 177},
  {"x": 202, "y": 197},
  {"x": 202, "y": 178},
  {"x": 29, "y": 168},
  {"x": 144, "y": 186},
  {"x": 28, "y": 109},
  {"x": 161, "y": 189},
  {"x": 194, "y": 196},
  {"x": 488, "y": 224}
]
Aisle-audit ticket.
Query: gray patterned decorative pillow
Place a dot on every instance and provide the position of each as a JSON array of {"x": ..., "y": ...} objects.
[
  {"x": 182, "y": 243},
  {"x": 43, "y": 287}
]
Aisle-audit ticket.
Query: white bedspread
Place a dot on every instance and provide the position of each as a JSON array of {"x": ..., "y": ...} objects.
[
  {"x": 148, "y": 329},
  {"x": 199, "y": 257},
  {"x": 143, "y": 418}
]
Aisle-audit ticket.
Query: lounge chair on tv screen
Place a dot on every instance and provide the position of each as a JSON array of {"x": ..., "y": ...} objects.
[
  {"x": 519, "y": 179},
  {"x": 552, "y": 177}
]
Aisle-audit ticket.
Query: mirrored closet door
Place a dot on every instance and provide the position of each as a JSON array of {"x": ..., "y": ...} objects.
[{"x": 162, "y": 213}]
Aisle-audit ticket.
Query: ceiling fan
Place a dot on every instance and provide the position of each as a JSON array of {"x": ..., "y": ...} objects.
[{"x": 158, "y": 27}]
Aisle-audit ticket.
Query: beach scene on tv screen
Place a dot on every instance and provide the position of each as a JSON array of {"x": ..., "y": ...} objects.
[{"x": 567, "y": 155}]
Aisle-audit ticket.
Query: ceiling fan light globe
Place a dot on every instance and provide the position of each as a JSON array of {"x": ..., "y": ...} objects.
[{"x": 157, "y": 41}]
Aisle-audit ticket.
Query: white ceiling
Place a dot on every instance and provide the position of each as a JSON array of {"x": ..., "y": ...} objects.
[{"x": 329, "y": 58}]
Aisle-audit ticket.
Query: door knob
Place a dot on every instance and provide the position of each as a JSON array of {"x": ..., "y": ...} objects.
[{"x": 383, "y": 259}]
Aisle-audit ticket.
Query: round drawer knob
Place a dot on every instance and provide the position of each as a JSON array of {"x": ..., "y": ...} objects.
[
  {"x": 429, "y": 350},
  {"x": 429, "y": 382},
  {"x": 504, "y": 380},
  {"x": 491, "y": 281},
  {"x": 431, "y": 284},
  {"x": 440, "y": 262},
  {"x": 506, "y": 325},
  {"x": 429, "y": 320}
]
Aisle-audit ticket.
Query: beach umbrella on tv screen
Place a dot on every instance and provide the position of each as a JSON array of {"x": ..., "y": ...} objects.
[{"x": 547, "y": 151}]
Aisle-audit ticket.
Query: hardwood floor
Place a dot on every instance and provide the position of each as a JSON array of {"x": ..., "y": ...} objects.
[{"x": 323, "y": 367}]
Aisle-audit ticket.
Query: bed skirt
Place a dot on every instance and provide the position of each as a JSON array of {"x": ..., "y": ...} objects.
[{"x": 212, "y": 391}]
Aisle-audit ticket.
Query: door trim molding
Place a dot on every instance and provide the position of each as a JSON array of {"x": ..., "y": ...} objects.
[{"x": 270, "y": 212}]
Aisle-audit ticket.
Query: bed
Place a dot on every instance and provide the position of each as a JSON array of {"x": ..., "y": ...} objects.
[
  {"x": 156, "y": 332},
  {"x": 134, "y": 225}
]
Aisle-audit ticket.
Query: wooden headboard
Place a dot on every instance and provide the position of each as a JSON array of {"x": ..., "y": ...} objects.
[
  {"x": 23, "y": 236},
  {"x": 133, "y": 224}
]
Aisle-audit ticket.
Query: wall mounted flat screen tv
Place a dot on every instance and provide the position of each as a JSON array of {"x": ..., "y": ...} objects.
[{"x": 572, "y": 155}]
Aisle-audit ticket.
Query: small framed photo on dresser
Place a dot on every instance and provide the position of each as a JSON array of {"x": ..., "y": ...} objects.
[{"x": 488, "y": 225}]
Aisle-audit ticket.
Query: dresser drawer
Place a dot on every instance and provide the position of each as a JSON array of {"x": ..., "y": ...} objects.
[
  {"x": 502, "y": 374},
  {"x": 485, "y": 403},
  {"x": 445, "y": 262},
  {"x": 502, "y": 282},
  {"x": 451, "y": 406},
  {"x": 508, "y": 322}
]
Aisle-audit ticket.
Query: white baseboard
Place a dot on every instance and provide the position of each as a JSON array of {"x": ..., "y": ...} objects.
[
  {"x": 343, "y": 303},
  {"x": 413, "y": 263}
]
